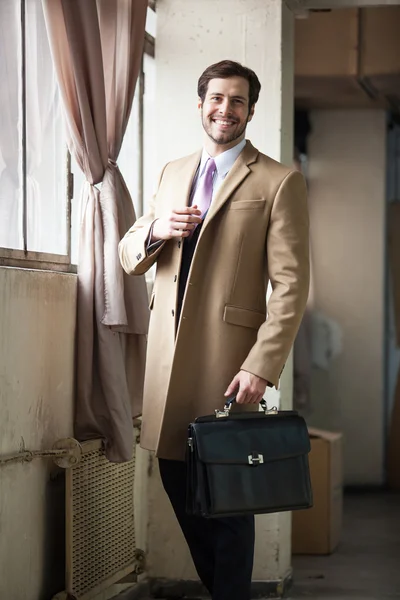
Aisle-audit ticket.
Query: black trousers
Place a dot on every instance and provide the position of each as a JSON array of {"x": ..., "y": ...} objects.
[{"x": 222, "y": 549}]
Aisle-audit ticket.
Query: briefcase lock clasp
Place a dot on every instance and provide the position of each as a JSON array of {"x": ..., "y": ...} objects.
[
  {"x": 255, "y": 459},
  {"x": 221, "y": 414}
]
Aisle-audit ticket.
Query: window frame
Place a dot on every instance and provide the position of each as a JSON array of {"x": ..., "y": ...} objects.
[
  {"x": 24, "y": 258},
  {"x": 149, "y": 48}
]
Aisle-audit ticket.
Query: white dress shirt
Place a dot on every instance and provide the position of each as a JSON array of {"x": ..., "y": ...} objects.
[{"x": 223, "y": 163}]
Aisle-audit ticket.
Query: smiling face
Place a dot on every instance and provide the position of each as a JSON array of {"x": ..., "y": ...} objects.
[{"x": 225, "y": 113}]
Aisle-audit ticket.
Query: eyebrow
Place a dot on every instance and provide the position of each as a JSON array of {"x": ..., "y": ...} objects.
[{"x": 234, "y": 97}]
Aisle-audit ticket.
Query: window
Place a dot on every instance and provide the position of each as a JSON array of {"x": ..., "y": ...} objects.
[
  {"x": 39, "y": 199},
  {"x": 136, "y": 159},
  {"x": 34, "y": 205}
]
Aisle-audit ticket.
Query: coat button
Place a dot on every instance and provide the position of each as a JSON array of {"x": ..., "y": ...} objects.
[
  {"x": 173, "y": 313},
  {"x": 179, "y": 244},
  {"x": 175, "y": 278},
  {"x": 139, "y": 256}
]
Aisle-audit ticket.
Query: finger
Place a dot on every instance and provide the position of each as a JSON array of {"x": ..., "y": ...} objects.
[
  {"x": 179, "y": 233},
  {"x": 249, "y": 398},
  {"x": 256, "y": 398},
  {"x": 194, "y": 210},
  {"x": 187, "y": 210},
  {"x": 232, "y": 386},
  {"x": 253, "y": 397},
  {"x": 177, "y": 217},
  {"x": 241, "y": 397},
  {"x": 183, "y": 226}
]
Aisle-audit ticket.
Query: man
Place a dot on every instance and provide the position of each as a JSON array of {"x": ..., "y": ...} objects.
[{"x": 223, "y": 222}]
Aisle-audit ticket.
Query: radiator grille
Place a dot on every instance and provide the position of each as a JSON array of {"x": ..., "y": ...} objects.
[{"x": 100, "y": 522}]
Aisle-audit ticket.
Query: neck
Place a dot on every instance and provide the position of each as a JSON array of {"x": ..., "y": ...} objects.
[{"x": 215, "y": 149}]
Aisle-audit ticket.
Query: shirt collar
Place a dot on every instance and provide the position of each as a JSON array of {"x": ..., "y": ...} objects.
[{"x": 223, "y": 162}]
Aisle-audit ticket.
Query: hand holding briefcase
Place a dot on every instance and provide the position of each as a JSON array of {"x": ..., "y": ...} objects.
[{"x": 248, "y": 463}]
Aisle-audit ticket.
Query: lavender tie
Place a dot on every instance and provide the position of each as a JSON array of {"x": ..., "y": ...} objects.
[{"x": 203, "y": 194}]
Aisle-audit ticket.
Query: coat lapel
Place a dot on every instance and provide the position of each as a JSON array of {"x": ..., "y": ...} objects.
[
  {"x": 184, "y": 178},
  {"x": 187, "y": 170},
  {"x": 236, "y": 175}
]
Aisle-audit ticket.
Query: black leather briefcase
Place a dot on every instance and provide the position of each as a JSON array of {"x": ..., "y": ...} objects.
[{"x": 248, "y": 463}]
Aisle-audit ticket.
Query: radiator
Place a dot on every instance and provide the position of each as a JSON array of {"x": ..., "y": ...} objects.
[{"x": 100, "y": 528}]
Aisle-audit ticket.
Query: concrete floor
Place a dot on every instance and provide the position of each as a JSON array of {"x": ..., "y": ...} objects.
[{"x": 366, "y": 566}]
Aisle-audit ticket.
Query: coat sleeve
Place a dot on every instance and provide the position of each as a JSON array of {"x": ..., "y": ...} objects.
[
  {"x": 287, "y": 247},
  {"x": 133, "y": 250}
]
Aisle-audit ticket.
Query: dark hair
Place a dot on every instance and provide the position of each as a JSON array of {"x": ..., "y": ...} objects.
[{"x": 225, "y": 69}]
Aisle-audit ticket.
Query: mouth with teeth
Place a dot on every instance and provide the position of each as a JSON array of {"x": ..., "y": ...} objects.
[
  {"x": 223, "y": 130},
  {"x": 223, "y": 123}
]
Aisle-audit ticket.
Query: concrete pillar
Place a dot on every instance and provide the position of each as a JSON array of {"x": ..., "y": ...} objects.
[{"x": 192, "y": 34}]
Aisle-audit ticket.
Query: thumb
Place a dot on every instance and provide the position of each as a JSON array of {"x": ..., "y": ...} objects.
[{"x": 232, "y": 386}]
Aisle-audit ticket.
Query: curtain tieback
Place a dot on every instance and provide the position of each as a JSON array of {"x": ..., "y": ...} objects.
[{"x": 98, "y": 184}]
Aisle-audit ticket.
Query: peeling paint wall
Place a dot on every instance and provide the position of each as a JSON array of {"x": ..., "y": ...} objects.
[{"x": 37, "y": 332}]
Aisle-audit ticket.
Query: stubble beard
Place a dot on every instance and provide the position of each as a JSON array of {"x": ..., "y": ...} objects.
[{"x": 222, "y": 140}]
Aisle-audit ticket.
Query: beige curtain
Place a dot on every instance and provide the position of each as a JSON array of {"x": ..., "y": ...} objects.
[{"x": 97, "y": 47}]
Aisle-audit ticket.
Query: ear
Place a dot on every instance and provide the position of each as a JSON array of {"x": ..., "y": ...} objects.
[
  {"x": 251, "y": 113},
  {"x": 199, "y": 104}
]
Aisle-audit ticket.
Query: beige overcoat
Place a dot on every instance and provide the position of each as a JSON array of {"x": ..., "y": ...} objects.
[{"x": 256, "y": 230}]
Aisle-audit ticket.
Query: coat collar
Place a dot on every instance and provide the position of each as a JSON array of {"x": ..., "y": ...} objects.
[
  {"x": 236, "y": 175},
  {"x": 223, "y": 162}
]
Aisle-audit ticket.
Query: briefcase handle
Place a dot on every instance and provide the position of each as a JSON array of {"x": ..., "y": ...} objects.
[{"x": 231, "y": 399}]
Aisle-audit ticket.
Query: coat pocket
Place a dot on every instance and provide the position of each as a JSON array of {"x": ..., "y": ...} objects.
[
  {"x": 243, "y": 317},
  {"x": 247, "y": 204}
]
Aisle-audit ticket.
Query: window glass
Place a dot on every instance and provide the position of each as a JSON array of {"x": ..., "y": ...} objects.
[
  {"x": 151, "y": 22},
  {"x": 150, "y": 176},
  {"x": 128, "y": 160},
  {"x": 46, "y": 152},
  {"x": 10, "y": 125}
]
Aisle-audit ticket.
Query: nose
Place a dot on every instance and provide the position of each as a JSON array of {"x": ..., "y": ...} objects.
[{"x": 225, "y": 107}]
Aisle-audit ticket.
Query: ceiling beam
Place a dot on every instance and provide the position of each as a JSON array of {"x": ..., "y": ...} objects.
[{"x": 300, "y": 6}]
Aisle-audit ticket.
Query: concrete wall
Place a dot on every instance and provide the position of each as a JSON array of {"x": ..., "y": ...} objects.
[
  {"x": 347, "y": 204},
  {"x": 37, "y": 332}
]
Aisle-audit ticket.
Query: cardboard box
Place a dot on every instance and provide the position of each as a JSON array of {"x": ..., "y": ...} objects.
[
  {"x": 318, "y": 529},
  {"x": 335, "y": 34}
]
